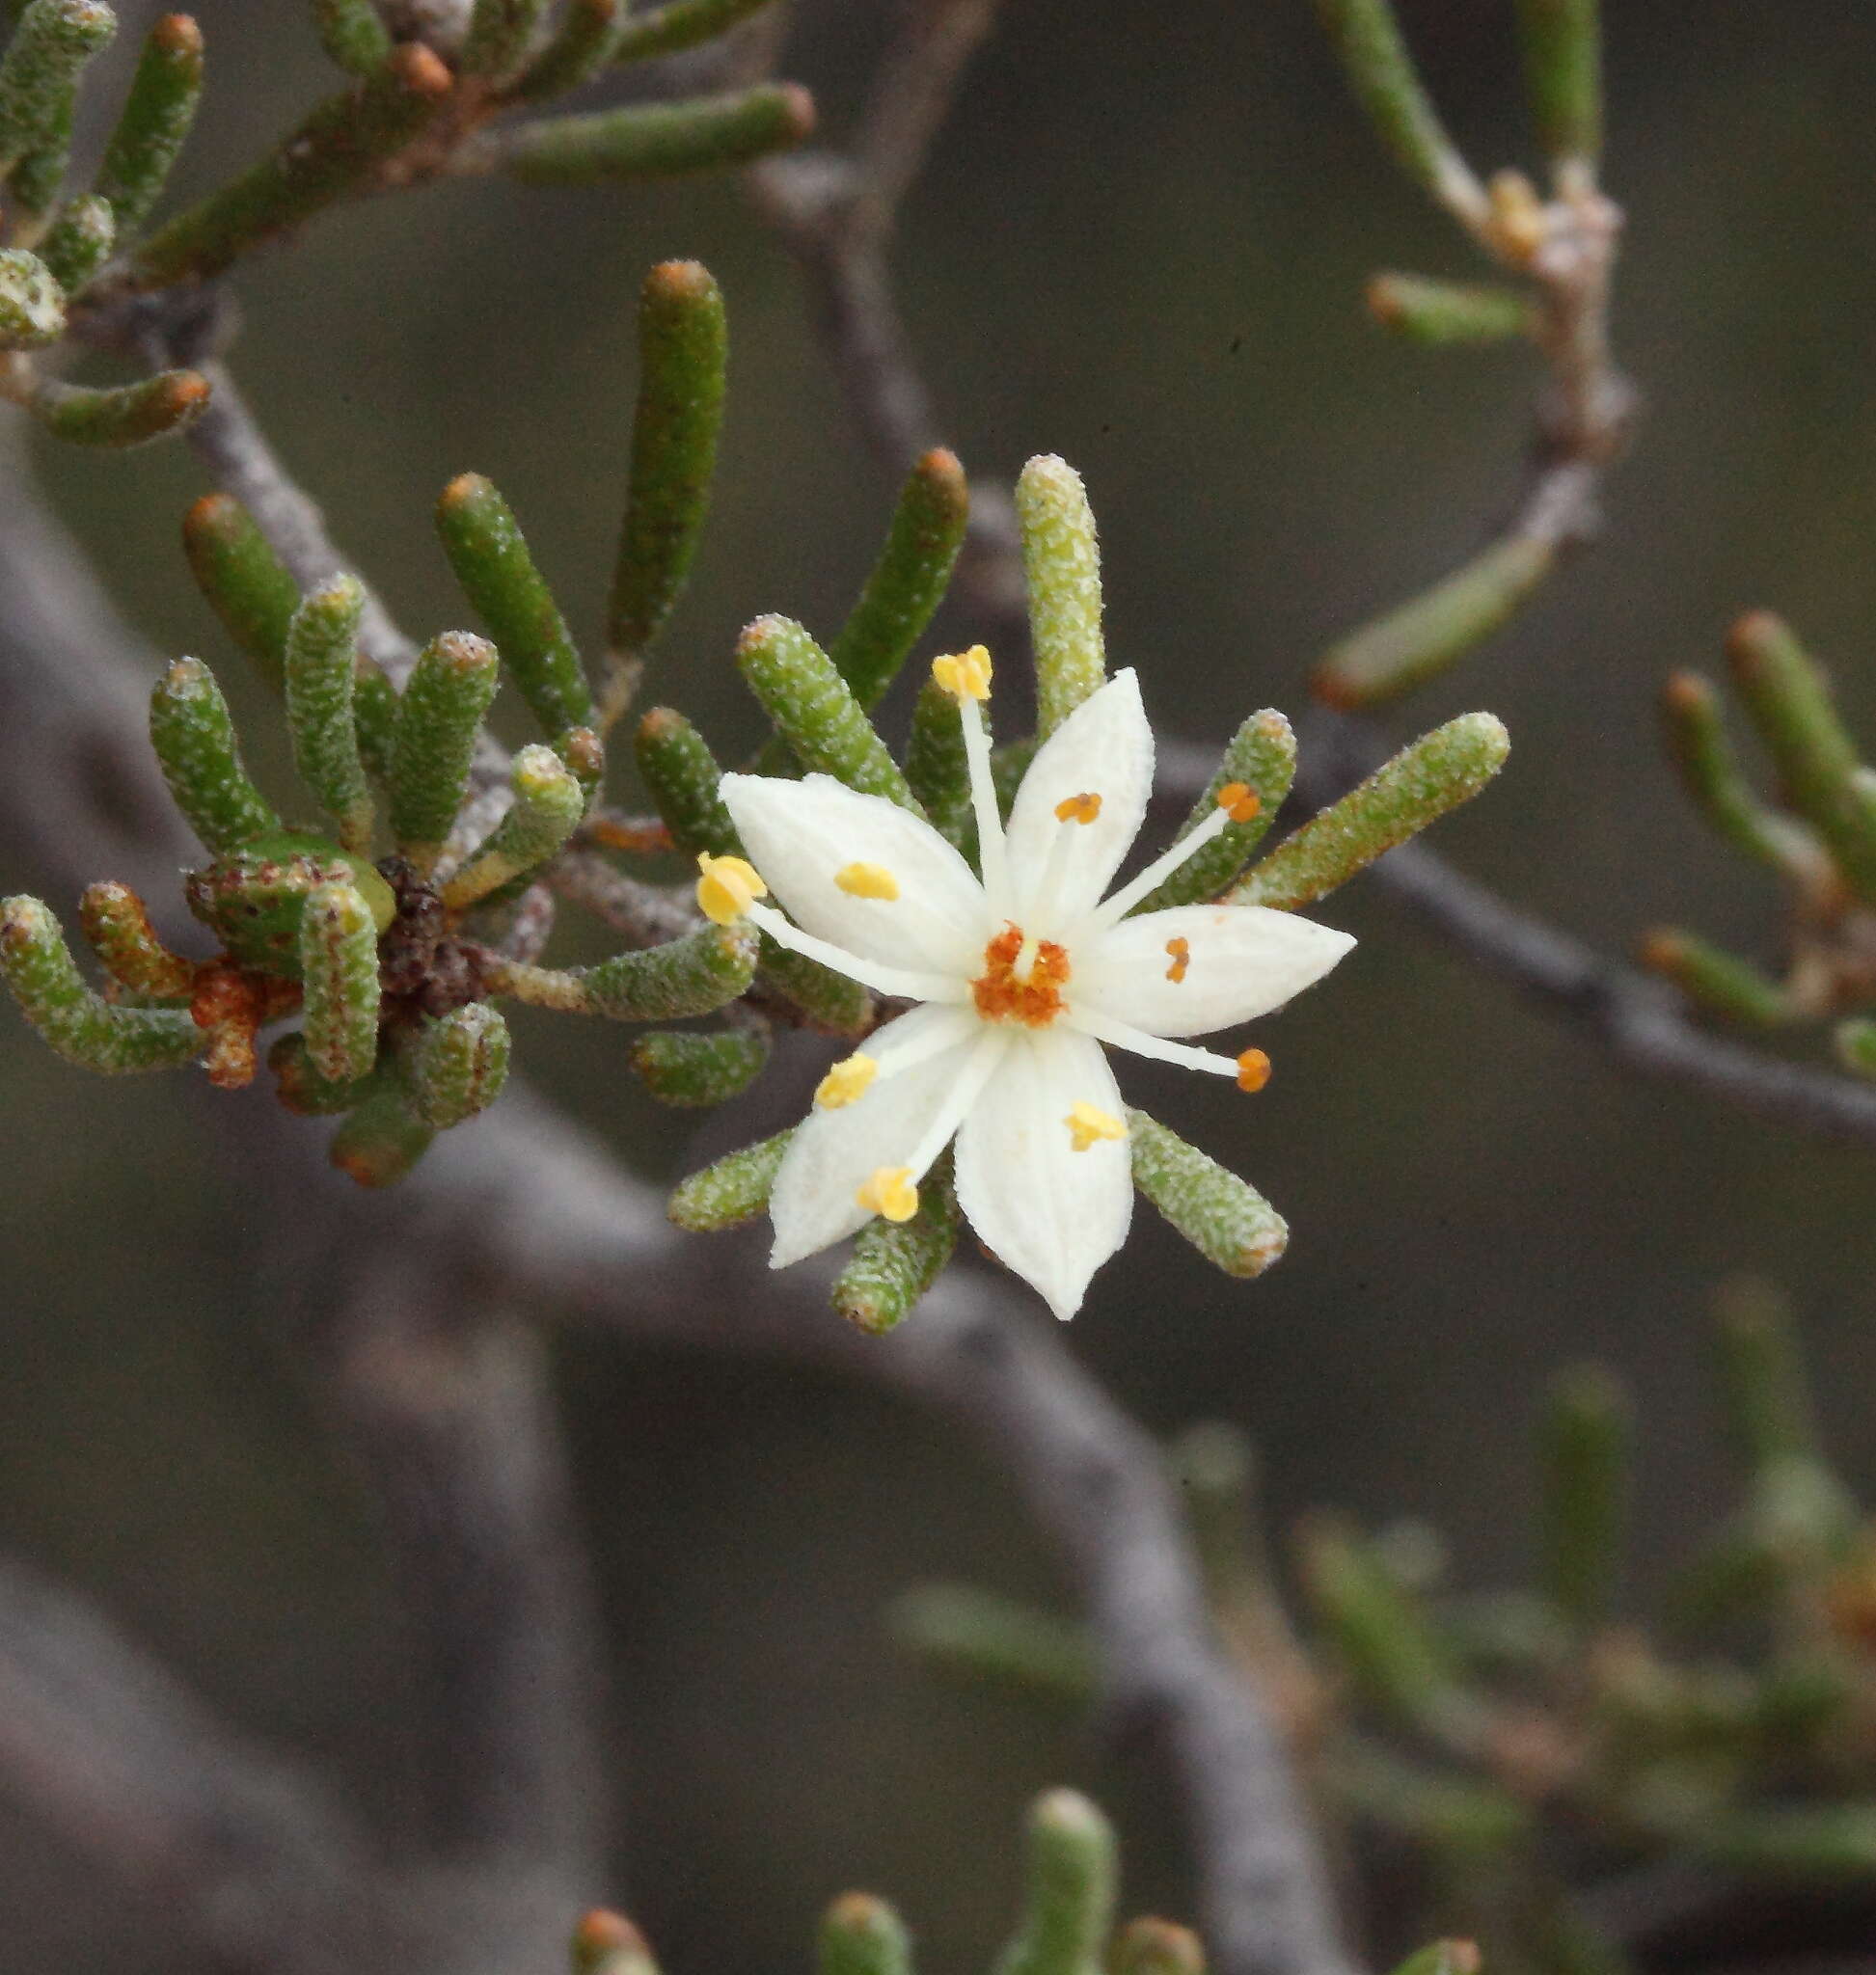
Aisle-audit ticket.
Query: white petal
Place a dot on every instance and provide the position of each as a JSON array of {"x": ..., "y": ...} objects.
[
  {"x": 1103, "y": 748},
  {"x": 1051, "y": 1213},
  {"x": 1241, "y": 960},
  {"x": 833, "y": 1153},
  {"x": 798, "y": 835}
]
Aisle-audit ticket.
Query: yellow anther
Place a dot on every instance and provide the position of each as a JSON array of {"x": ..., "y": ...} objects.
[
  {"x": 1089, "y": 1125},
  {"x": 1252, "y": 1071},
  {"x": 965, "y": 675},
  {"x": 848, "y": 1079},
  {"x": 1180, "y": 951},
  {"x": 867, "y": 882},
  {"x": 1240, "y": 801},
  {"x": 727, "y": 888},
  {"x": 1082, "y": 808},
  {"x": 889, "y": 1193}
]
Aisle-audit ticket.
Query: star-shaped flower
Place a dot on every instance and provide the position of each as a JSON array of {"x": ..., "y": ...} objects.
[{"x": 1020, "y": 978}]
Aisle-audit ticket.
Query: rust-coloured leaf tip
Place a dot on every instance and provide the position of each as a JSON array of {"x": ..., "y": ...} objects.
[
  {"x": 421, "y": 71},
  {"x": 681, "y": 280},
  {"x": 176, "y": 34}
]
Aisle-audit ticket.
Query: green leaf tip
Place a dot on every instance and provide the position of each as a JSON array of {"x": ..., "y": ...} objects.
[
  {"x": 908, "y": 581},
  {"x": 815, "y": 710},
  {"x": 499, "y": 35},
  {"x": 1432, "y": 775},
  {"x": 353, "y": 35},
  {"x": 693, "y": 1071},
  {"x": 1069, "y": 1889},
  {"x": 1443, "y": 1958},
  {"x": 607, "y": 1943},
  {"x": 1061, "y": 564},
  {"x": 73, "y": 1021},
  {"x": 32, "y": 302},
  {"x": 490, "y": 559},
  {"x": 1719, "y": 982},
  {"x": 683, "y": 355},
  {"x": 1156, "y": 1947},
  {"x": 80, "y": 244},
  {"x": 382, "y": 1137},
  {"x": 683, "y": 777},
  {"x": 575, "y": 53},
  {"x": 1228, "y": 1221},
  {"x": 1432, "y": 631},
  {"x": 861, "y": 1935},
  {"x": 660, "y": 140},
  {"x": 456, "y": 1065}
]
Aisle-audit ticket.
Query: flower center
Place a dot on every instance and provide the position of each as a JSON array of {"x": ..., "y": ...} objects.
[{"x": 1023, "y": 980}]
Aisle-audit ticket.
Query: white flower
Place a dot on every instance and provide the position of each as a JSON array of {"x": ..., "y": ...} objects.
[{"x": 1020, "y": 978}]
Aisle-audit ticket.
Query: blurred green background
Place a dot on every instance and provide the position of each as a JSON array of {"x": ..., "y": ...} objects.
[{"x": 1140, "y": 242}]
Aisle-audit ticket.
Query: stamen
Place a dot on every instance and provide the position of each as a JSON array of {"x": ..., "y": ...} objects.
[
  {"x": 965, "y": 676},
  {"x": 1114, "y": 909},
  {"x": 1119, "y": 1035},
  {"x": 900, "y": 982},
  {"x": 867, "y": 882},
  {"x": 1089, "y": 1125},
  {"x": 991, "y": 851},
  {"x": 1182, "y": 953},
  {"x": 1240, "y": 801},
  {"x": 889, "y": 1193},
  {"x": 847, "y": 1081},
  {"x": 1082, "y": 808},
  {"x": 1253, "y": 1070},
  {"x": 727, "y": 888}
]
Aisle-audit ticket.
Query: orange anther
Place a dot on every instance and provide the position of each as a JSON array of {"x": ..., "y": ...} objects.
[
  {"x": 1252, "y": 1071},
  {"x": 1082, "y": 808},
  {"x": 1182, "y": 953},
  {"x": 1240, "y": 801}
]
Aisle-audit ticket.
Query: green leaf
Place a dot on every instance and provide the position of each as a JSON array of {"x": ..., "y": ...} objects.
[
  {"x": 1563, "y": 69},
  {"x": 660, "y": 140},
  {"x": 1429, "y": 632},
  {"x": 78, "y": 245},
  {"x": 491, "y": 560},
  {"x": 908, "y": 581},
  {"x": 695, "y": 1070},
  {"x": 580, "y": 46},
  {"x": 155, "y": 124},
  {"x": 962, "y": 1629},
  {"x": 1263, "y": 758},
  {"x": 32, "y": 302},
  {"x": 1068, "y": 1901},
  {"x": 862, "y": 1936},
  {"x": 499, "y": 34},
  {"x": 1421, "y": 783},
  {"x": 683, "y": 778},
  {"x": 439, "y": 717},
  {"x": 193, "y": 735},
  {"x": 339, "y": 972},
  {"x": 116, "y": 923},
  {"x": 734, "y": 1190},
  {"x": 76, "y": 1023},
  {"x": 1719, "y": 982},
  {"x": 814, "y": 710},
  {"x": 549, "y": 802},
  {"x": 337, "y": 153},
  {"x": 681, "y": 24},
  {"x": 1061, "y": 564},
  {"x": 455, "y": 1066},
  {"x": 1587, "y": 1445},
  {"x": 353, "y": 35},
  {"x": 38, "y": 87},
  {"x": 248, "y": 586},
  {"x": 938, "y": 770},
  {"x": 123, "y": 416},
  {"x": 1156, "y": 1947},
  {"x": 895, "y": 1262},
  {"x": 1437, "y": 315},
  {"x": 383, "y": 1137},
  {"x": 1230, "y": 1223},
  {"x": 303, "y": 1089},
  {"x": 321, "y": 675},
  {"x": 683, "y": 351}
]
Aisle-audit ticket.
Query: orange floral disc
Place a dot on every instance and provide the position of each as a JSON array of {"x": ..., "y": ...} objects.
[{"x": 1034, "y": 1002}]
